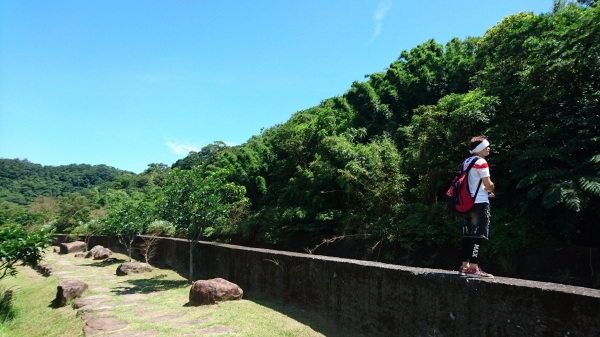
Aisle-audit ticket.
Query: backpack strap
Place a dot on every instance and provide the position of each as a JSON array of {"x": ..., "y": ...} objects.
[
  {"x": 470, "y": 165},
  {"x": 476, "y": 158}
]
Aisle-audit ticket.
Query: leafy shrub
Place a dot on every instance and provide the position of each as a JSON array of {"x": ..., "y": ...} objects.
[
  {"x": 161, "y": 228},
  {"x": 17, "y": 245},
  {"x": 6, "y": 309}
]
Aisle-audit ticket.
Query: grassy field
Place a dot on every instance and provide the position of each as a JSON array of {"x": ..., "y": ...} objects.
[
  {"x": 33, "y": 311},
  {"x": 145, "y": 297}
]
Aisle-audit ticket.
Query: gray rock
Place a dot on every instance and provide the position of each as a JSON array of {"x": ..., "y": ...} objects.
[
  {"x": 99, "y": 325},
  {"x": 72, "y": 247},
  {"x": 129, "y": 268},
  {"x": 68, "y": 290},
  {"x": 98, "y": 253},
  {"x": 92, "y": 300},
  {"x": 90, "y": 315},
  {"x": 205, "y": 292},
  {"x": 165, "y": 318},
  {"x": 93, "y": 308}
]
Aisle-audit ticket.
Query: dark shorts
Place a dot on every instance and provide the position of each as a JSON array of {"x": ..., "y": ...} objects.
[{"x": 477, "y": 221}]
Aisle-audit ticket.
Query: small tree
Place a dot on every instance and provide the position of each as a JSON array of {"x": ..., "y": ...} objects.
[
  {"x": 155, "y": 230},
  {"x": 194, "y": 201},
  {"x": 17, "y": 245},
  {"x": 148, "y": 247},
  {"x": 128, "y": 221},
  {"x": 86, "y": 230}
]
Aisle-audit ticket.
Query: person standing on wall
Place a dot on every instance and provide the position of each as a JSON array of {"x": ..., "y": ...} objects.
[{"x": 477, "y": 221}]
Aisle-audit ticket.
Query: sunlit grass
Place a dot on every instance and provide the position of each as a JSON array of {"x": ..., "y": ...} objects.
[
  {"x": 34, "y": 314},
  {"x": 164, "y": 293}
]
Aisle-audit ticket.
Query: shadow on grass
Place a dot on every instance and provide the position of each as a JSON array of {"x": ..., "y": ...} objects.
[
  {"x": 104, "y": 263},
  {"x": 56, "y": 303},
  {"x": 146, "y": 286},
  {"x": 315, "y": 321}
]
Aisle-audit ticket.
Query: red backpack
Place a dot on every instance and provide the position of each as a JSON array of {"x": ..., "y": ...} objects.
[{"x": 458, "y": 198}]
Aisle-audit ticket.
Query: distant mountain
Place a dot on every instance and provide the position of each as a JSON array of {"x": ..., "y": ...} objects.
[{"x": 21, "y": 180}]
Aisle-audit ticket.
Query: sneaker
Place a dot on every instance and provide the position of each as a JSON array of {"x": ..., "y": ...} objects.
[
  {"x": 462, "y": 271},
  {"x": 478, "y": 273}
]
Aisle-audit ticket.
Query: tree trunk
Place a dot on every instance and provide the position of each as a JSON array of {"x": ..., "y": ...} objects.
[
  {"x": 191, "y": 263},
  {"x": 130, "y": 248}
]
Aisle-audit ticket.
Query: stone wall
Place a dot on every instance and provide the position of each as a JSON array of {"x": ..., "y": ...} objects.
[{"x": 390, "y": 300}]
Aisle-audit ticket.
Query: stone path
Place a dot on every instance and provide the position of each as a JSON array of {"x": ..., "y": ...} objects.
[{"x": 113, "y": 304}]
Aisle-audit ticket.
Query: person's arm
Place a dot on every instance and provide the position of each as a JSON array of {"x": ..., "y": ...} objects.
[{"x": 488, "y": 184}]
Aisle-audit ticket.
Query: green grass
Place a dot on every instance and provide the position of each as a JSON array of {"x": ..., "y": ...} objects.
[
  {"x": 33, "y": 311},
  {"x": 34, "y": 315}
]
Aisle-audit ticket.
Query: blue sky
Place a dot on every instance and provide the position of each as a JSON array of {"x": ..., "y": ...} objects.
[{"x": 127, "y": 83}]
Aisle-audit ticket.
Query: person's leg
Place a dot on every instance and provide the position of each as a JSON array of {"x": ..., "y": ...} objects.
[
  {"x": 474, "y": 247},
  {"x": 465, "y": 251},
  {"x": 470, "y": 219},
  {"x": 480, "y": 232}
]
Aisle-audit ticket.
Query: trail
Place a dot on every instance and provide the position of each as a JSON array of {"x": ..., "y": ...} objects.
[{"x": 143, "y": 305}]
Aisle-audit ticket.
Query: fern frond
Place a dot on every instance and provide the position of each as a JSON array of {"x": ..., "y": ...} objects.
[
  {"x": 572, "y": 200},
  {"x": 542, "y": 153},
  {"x": 541, "y": 176},
  {"x": 552, "y": 196},
  {"x": 590, "y": 185},
  {"x": 595, "y": 159},
  {"x": 535, "y": 191}
]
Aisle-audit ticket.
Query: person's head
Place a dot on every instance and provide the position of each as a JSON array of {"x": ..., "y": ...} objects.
[{"x": 479, "y": 146}]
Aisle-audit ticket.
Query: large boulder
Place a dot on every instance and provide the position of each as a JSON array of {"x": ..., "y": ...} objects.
[
  {"x": 205, "y": 292},
  {"x": 129, "y": 268},
  {"x": 68, "y": 290},
  {"x": 72, "y": 247},
  {"x": 99, "y": 253}
]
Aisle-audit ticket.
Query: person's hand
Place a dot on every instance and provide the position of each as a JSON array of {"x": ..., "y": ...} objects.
[{"x": 491, "y": 195}]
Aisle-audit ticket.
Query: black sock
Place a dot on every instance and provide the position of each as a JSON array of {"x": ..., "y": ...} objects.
[{"x": 465, "y": 250}]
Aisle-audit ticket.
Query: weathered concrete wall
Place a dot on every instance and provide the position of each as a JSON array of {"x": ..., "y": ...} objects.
[{"x": 389, "y": 300}]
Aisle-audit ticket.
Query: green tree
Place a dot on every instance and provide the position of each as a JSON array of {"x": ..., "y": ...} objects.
[
  {"x": 73, "y": 209},
  {"x": 17, "y": 245},
  {"x": 559, "y": 181},
  {"x": 128, "y": 221},
  {"x": 199, "y": 203},
  {"x": 47, "y": 207}
]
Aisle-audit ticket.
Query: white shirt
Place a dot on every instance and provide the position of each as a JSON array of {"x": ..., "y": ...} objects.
[{"x": 480, "y": 170}]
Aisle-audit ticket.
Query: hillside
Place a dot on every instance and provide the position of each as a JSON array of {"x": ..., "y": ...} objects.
[{"x": 21, "y": 181}]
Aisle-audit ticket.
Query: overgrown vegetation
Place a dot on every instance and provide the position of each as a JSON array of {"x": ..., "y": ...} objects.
[
  {"x": 19, "y": 246},
  {"x": 372, "y": 165}
]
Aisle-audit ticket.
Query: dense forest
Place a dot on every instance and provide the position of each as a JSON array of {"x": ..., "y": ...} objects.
[
  {"x": 368, "y": 170},
  {"x": 21, "y": 181}
]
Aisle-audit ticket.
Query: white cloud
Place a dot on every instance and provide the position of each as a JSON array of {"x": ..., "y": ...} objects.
[
  {"x": 380, "y": 12},
  {"x": 181, "y": 149},
  {"x": 378, "y": 26}
]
